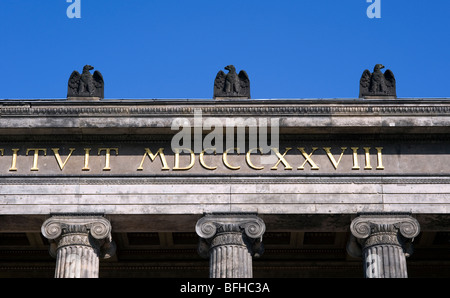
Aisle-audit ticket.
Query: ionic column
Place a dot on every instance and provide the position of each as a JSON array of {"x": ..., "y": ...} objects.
[
  {"x": 77, "y": 243},
  {"x": 230, "y": 241},
  {"x": 383, "y": 241}
]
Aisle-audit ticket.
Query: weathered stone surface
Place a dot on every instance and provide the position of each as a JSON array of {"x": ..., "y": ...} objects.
[
  {"x": 377, "y": 85},
  {"x": 232, "y": 84},
  {"x": 282, "y": 195},
  {"x": 414, "y": 134},
  {"x": 384, "y": 241},
  {"x": 156, "y": 117},
  {"x": 77, "y": 242},
  {"x": 86, "y": 86},
  {"x": 350, "y": 155},
  {"x": 229, "y": 241}
]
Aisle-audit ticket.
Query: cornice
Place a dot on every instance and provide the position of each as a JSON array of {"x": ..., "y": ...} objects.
[
  {"x": 153, "y": 117},
  {"x": 144, "y": 139},
  {"x": 158, "y": 108}
]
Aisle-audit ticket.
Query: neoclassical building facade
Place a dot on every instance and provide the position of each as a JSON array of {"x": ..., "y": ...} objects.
[{"x": 224, "y": 187}]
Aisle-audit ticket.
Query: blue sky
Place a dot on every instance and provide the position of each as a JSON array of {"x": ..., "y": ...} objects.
[{"x": 174, "y": 48}]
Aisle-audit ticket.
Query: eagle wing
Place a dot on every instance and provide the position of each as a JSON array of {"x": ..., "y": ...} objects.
[
  {"x": 365, "y": 79},
  {"x": 243, "y": 78},
  {"x": 74, "y": 81},
  {"x": 364, "y": 83},
  {"x": 219, "y": 82},
  {"x": 389, "y": 78},
  {"x": 98, "y": 79},
  {"x": 99, "y": 83},
  {"x": 245, "y": 83}
]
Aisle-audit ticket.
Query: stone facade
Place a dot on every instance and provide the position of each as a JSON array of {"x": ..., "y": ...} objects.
[
  {"x": 365, "y": 167},
  {"x": 386, "y": 241},
  {"x": 230, "y": 241},
  {"x": 78, "y": 242}
]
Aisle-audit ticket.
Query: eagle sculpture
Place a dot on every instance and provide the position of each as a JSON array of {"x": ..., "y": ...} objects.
[
  {"x": 86, "y": 84},
  {"x": 377, "y": 83},
  {"x": 232, "y": 84}
]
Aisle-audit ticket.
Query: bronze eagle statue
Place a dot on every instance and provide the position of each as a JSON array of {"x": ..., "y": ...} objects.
[
  {"x": 86, "y": 84},
  {"x": 377, "y": 83},
  {"x": 232, "y": 84}
]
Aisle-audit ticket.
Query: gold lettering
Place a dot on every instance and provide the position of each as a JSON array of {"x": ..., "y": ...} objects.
[
  {"x": 14, "y": 160},
  {"x": 287, "y": 166},
  {"x": 58, "y": 157},
  {"x": 153, "y": 157},
  {"x": 308, "y": 159},
  {"x": 379, "y": 160},
  {"x": 331, "y": 157},
  {"x": 35, "y": 157},
  {"x": 86, "y": 159},
  {"x": 367, "y": 154},
  {"x": 249, "y": 162},
  {"x": 355, "y": 158},
  {"x": 177, "y": 159},
  {"x": 202, "y": 161},
  {"x": 108, "y": 155},
  {"x": 225, "y": 159}
]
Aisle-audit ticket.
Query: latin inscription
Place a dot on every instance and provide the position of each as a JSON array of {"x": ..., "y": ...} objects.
[{"x": 102, "y": 159}]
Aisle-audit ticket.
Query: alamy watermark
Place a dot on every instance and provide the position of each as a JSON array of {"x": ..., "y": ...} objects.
[
  {"x": 216, "y": 135},
  {"x": 74, "y": 9},
  {"x": 373, "y": 263},
  {"x": 374, "y": 9}
]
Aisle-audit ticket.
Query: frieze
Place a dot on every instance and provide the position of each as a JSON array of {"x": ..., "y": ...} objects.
[
  {"x": 134, "y": 160},
  {"x": 290, "y": 158},
  {"x": 265, "y": 108}
]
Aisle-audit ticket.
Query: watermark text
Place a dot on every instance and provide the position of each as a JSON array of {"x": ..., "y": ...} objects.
[
  {"x": 374, "y": 9},
  {"x": 74, "y": 9}
]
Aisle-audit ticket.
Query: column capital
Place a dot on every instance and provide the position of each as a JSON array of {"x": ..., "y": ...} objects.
[
  {"x": 211, "y": 224},
  {"x": 383, "y": 228},
  {"x": 242, "y": 225},
  {"x": 87, "y": 230},
  {"x": 366, "y": 224}
]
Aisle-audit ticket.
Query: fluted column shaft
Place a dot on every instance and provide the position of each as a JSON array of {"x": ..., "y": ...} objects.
[
  {"x": 384, "y": 242},
  {"x": 230, "y": 241},
  {"x": 76, "y": 258},
  {"x": 387, "y": 261},
  {"x": 78, "y": 242}
]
